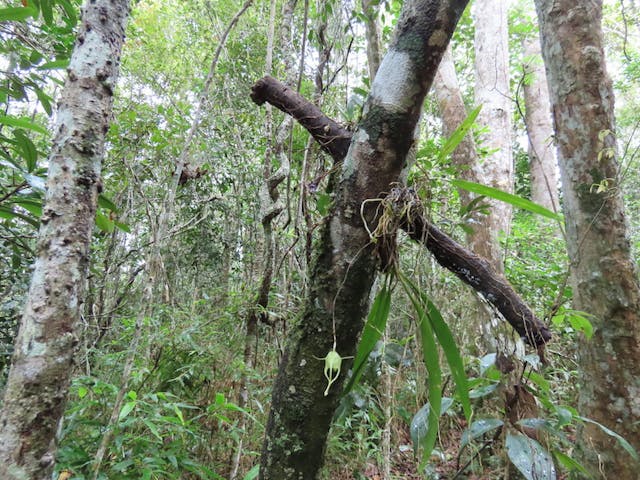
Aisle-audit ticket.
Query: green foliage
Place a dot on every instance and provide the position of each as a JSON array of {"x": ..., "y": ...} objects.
[
  {"x": 533, "y": 461},
  {"x": 373, "y": 331},
  {"x": 509, "y": 198}
]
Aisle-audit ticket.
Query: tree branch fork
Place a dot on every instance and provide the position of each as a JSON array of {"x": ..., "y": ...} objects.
[{"x": 471, "y": 269}]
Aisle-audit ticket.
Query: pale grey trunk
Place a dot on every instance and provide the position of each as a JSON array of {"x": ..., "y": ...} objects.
[
  {"x": 454, "y": 112},
  {"x": 492, "y": 92},
  {"x": 603, "y": 277},
  {"x": 345, "y": 265},
  {"x": 542, "y": 159},
  {"x": 44, "y": 350}
]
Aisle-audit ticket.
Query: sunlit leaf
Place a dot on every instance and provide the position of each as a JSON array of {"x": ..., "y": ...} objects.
[
  {"x": 17, "y": 14},
  {"x": 458, "y": 135},
  {"x": 22, "y": 122},
  {"x": 55, "y": 65},
  {"x": 103, "y": 222},
  {"x": 126, "y": 409}
]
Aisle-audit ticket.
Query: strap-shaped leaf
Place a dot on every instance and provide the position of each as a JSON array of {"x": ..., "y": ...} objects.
[
  {"x": 505, "y": 197},
  {"x": 373, "y": 330}
]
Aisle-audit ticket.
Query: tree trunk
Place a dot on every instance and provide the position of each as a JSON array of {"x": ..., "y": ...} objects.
[
  {"x": 492, "y": 92},
  {"x": 603, "y": 276},
  {"x": 542, "y": 158},
  {"x": 44, "y": 350},
  {"x": 454, "y": 112},
  {"x": 372, "y": 34},
  {"x": 345, "y": 266}
]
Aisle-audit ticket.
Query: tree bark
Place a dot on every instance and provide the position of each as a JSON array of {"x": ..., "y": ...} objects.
[
  {"x": 345, "y": 266},
  {"x": 603, "y": 275},
  {"x": 44, "y": 350},
  {"x": 542, "y": 159},
  {"x": 492, "y": 92}
]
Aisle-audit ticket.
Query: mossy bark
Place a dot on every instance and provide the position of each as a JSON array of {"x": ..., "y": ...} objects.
[
  {"x": 345, "y": 265},
  {"x": 603, "y": 275}
]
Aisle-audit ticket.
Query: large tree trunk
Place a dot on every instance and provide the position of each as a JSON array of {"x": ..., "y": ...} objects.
[
  {"x": 492, "y": 92},
  {"x": 542, "y": 159},
  {"x": 345, "y": 266},
  {"x": 42, "y": 362},
  {"x": 603, "y": 277}
]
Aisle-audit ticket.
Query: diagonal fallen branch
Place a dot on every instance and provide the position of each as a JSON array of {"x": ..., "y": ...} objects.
[{"x": 466, "y": 265}]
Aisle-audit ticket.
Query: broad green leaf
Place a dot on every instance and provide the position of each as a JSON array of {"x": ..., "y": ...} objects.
[
  {"x": 483, "y": 391},
  {"x": 178, "y": 412},
  {"x": 55, "y": 65},
  {"x": 323, "y": 201},
  {"x": 509, "y": 198},
  {"x": 153, "y": 428},
  {"x": 103, "y": 222},
  {"x": 126, "y": 409},
  {"x": 621, "y": 440},
  {"x": 22, "y": 122},
  {"x": 456, "y": 137},
  {"x": 10, "y": 214},
  {"x": 106, "y": 203},
  {"x": 373, "y": 330},
  {"x": 580, "y": 323},
  {"x": 479, "y": 428},
  {"x": 253, "y": 473},
  {"x": 17, "y": 14},
  {"x": 571, "y": 464},
  {"x": 122, "y": 226},
  {"x": 528, "y": 456},
  {"x": 33, "y": 206},
  {"x": 82, "y": 392},
  {"x": 487, "y": 362},
  {"x": 45, "y": 101},
  {"x": 420, "y": 423},
  {"x": 27, "y": 149}
]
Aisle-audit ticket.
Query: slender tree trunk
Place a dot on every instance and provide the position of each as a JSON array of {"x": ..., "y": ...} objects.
[
  {"x": 542, "y": 158},
  {"x": 454, "y": 112},
  {"x": 492, "y": 92},
  {"x": 345, "y": 266},
  {"x": 44, "y": 350},
  {"x": 270, "y": 208},
  {"x": 372, "y": 33},
  {"x": 603, "y": 275}
]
